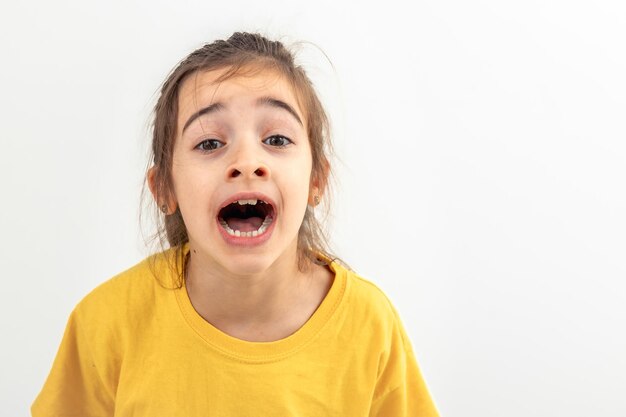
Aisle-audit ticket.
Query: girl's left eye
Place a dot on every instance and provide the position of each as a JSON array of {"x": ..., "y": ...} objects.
[{"x": 278, "y": 141}]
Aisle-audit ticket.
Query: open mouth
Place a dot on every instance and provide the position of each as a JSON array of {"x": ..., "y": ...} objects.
[{"x": 246, "y": 218}]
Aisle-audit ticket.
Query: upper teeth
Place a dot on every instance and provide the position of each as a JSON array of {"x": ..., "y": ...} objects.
[{"x": 251, "y": 202}]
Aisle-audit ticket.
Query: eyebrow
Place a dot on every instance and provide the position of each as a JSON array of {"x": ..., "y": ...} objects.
[
  {"x": 272, "y": 102},
  {"x": 263, "y": 101},
  {"x": 215, "y": 107}
]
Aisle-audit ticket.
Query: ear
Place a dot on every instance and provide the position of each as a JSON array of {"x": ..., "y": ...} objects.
[
  {"x": 314, "y": 196},
  {"x": 318, "y": 185},
  {"x": 168, "y": 202}
]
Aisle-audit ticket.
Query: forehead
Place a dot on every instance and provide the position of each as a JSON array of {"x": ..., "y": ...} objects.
[{"x": 244, "y": 87}]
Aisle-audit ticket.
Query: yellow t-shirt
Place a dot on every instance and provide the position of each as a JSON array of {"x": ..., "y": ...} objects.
[{"x": 136, "y": 347}]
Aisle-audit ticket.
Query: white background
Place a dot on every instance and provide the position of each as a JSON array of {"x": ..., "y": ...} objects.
[{"x": 481, "y": 177}]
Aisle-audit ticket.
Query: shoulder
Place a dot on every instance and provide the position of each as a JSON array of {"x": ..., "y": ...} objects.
[
  {"x": 132, "y": 292},
  {"x": 118, "y": 290},
  {"x": 368, "y": 302}
]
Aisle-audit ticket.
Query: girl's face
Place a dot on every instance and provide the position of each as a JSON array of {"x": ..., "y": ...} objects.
[{"x": 241, "y": 170}]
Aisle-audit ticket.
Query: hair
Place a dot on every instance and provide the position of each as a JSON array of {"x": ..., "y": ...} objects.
[{"x": 242, "y": 52}]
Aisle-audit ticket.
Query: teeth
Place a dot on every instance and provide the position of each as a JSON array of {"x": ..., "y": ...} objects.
[
  {"x": 227, "y": 227},
  {"x": 251, "y": 202},
  {"x": 266, "y": 223}
]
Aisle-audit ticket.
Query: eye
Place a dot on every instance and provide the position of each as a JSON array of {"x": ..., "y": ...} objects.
[
  {"x": 209, "y": 145},
  {"x": 278, "y": 141}
]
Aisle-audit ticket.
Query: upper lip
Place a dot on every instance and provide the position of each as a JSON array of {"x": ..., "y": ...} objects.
[{"x": 247, "y": 195}]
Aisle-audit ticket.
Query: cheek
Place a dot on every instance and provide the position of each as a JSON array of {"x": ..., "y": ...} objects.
[
  {"x": 299, "y": 186},
  {"x": 299, "y": 170},
  {"x": 192, "y": 185}
]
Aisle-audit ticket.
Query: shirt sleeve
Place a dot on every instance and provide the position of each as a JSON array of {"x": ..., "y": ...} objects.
[
  {"x": 401, "y": 390},
  {"x": 75, "y": 385}
]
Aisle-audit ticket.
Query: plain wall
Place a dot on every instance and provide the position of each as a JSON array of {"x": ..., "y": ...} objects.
[{"x": 481, "y": 177}]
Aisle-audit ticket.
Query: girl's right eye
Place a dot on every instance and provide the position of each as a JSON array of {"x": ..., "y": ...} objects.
[{"x": 209, "y": 145}]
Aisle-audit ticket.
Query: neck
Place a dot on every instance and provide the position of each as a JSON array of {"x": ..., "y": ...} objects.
[{"x": 226, "y": 299}]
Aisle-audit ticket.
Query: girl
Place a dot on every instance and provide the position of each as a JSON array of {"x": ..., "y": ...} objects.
[{"x": 246, "y": 313}]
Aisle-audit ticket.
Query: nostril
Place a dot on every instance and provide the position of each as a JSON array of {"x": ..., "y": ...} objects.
[{"x": 259, "y": 172}]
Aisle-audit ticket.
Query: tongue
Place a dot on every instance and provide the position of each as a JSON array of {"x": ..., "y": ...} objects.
[{"x": 244, "y": 225}]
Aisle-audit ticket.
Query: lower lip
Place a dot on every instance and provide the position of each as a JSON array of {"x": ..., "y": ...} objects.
[{"x": 244, "y": 240}]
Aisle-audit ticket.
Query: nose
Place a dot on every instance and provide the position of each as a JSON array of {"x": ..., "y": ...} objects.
[
  {"x": 236, "y": 172},
  {"x": 246, "y": 165}
]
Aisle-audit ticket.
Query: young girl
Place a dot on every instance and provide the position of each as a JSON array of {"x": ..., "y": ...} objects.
[{"x": 246, "y": 313}]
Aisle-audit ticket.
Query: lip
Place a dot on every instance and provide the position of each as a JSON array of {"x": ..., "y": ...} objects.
[
  {"x": 244, "y": 240},
  {"x": 250, "y": 195}
]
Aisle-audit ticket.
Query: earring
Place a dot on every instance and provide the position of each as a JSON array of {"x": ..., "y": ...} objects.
[
  {"x": 164, "y": 208},
  {"x": 316, "y": 199}
]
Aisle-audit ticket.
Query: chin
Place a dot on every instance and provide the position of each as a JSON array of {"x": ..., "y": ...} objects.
[{"x": 248, "y": 264}]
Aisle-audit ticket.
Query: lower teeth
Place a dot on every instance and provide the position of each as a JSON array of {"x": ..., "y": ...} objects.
[{"x": 266, "y": 223}]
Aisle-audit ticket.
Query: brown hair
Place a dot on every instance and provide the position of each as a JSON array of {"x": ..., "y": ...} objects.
[{"x": 242, "y": 51}]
